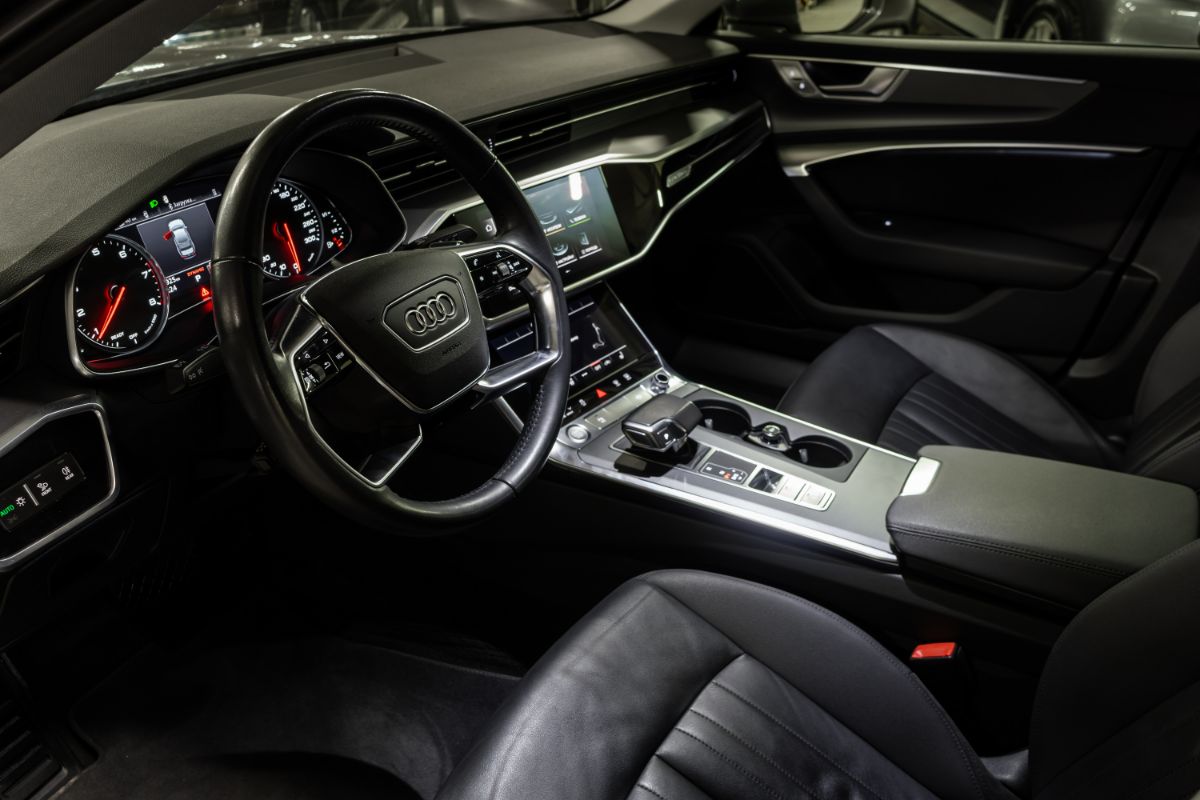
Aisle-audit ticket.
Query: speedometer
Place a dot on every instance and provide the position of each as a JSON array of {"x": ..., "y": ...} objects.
[
  {"x": 294, "y": 237},
  {"x": 120, "y": 297}
]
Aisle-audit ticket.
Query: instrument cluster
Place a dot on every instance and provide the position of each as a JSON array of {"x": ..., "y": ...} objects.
[{"x": 148, "y": 277}]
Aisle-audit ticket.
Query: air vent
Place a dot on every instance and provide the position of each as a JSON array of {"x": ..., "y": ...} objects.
[
  {"x": 27, "y": 767},
  {"x": 411, "y": 168},
  {"x": 514, "y": 140},
  {"x": 12, "y": 327}
]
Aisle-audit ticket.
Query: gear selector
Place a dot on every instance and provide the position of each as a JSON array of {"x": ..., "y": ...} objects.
[{"x": 661, "y": 424}]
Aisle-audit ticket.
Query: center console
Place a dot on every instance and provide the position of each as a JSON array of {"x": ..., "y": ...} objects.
[
  {"x": 1030, "y": 530},
  {"x": 743, "y": 460}
]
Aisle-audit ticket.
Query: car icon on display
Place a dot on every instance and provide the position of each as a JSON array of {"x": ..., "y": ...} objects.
[{"x": 177, "y": 230}]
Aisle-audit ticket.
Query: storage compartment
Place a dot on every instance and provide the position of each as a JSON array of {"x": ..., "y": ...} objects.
[{"x": 1051, "y": 532}]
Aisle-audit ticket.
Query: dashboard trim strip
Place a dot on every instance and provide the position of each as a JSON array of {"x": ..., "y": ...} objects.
[
  {"x": 801, "y": 170},
  {"x": 981, "y": 73}
]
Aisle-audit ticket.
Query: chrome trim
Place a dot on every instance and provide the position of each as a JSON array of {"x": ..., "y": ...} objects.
[
  {"x": 49, "y": 413},
  {"x": 445, "y": 335},
  {"x": 569, "y": 459},
  {"x": 921, "y": 477},
  {"x": 288, "y": 353},
  {"x": 801, "y": 170},
  {"x": 982, "y": 73}
]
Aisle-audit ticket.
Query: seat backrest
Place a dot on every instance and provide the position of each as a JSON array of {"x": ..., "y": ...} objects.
[
  {"x": 1117, "y": 712},
  {"x": 1165, "y": 442}
]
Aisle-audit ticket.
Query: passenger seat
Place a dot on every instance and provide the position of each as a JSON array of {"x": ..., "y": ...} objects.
[{"x": 904, "y": 387}]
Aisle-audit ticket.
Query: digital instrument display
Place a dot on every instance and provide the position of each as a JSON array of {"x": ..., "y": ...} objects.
[
  {"x": 154, "y": 265},
  {"x": 578, "y": 217},
  {"x": 607, "y": 352},
  {"x": 120, "y": 296}
]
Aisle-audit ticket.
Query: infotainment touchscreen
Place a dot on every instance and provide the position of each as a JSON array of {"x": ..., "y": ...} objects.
[{"x": 578, "y": 217}]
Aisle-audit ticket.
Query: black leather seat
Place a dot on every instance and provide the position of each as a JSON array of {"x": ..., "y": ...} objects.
[
  {"x": 692, "y": 686},
  {"x": 904, "y": 388}
]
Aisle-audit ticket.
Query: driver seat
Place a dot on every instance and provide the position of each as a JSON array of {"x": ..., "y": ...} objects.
[{"x": 693, "y": 686}]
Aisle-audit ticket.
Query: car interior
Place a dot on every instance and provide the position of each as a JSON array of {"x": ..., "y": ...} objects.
[{"x": 548, "y": 399}]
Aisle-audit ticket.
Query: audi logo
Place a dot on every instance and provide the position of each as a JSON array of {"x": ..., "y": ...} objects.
[{"x": 430, "y": 314}]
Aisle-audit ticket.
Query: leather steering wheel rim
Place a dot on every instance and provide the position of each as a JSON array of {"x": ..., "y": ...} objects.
[{"x": 263, "y": 377}]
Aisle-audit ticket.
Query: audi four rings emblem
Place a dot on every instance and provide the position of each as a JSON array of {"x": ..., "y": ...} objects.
[{"x": 430, "y": 314}]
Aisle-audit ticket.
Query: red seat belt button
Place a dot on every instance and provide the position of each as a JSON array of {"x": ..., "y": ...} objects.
[{"x": 925, "y": 652}]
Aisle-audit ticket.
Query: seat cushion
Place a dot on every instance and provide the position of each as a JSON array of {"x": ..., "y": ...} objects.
[
  {"x": 903, "y": 388},
  {"x": 688, "y": 685}
]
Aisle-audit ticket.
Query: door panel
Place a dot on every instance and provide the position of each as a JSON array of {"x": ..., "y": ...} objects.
[{"x": 1000, "y": 191}]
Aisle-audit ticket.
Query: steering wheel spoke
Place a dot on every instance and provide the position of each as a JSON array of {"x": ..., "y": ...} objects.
[{"x": 503, "y": 263}]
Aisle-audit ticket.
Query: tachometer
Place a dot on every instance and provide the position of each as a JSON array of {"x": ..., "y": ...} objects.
[
  {"x": 293, "y": 240},
  {"x": 120, "y": 296}
]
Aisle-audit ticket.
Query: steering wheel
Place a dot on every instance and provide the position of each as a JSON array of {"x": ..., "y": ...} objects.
[{"x": 408, "y": 325}]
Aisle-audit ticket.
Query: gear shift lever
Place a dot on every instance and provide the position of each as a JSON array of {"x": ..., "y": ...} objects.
[{"x": 661, "y": 424}]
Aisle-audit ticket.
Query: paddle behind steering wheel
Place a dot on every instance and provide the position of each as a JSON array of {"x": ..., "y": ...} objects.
[{"x": 410, "y": 322}]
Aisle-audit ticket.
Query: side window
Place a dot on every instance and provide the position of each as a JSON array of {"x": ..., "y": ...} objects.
[{"x": 1163, "y": 23}]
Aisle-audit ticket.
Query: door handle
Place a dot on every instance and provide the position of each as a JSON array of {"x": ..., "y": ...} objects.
[
  {"x": 876, "y": 84},
  {"x": 806, "y": 79}
]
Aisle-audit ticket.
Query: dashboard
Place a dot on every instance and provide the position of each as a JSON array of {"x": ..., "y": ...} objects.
[
  {"x": 139, "y": 297},
  {"x": 107, "y": 339}
]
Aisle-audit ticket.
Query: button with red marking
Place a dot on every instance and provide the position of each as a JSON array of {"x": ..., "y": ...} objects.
[{"x": 934, "y": 650}]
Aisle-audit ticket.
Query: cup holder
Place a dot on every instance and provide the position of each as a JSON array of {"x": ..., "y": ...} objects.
[
  {"x": 820, "y": 452},
  {"x": 722, "y": 417}
]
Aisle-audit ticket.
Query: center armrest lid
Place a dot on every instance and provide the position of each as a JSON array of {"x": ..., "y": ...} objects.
[{"x": 1059, "y": 532}]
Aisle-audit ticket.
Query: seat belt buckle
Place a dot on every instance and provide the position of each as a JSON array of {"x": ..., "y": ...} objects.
[
  {"x": 934, "y": 651},
  {"x": 944, "y": 669}
]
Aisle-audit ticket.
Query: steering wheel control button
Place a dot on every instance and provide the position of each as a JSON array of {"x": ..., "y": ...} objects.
[
  {"x": 321, "y": 358},
  {"x": 495, "y": 267},
  {"x": 578, "y": 434}
]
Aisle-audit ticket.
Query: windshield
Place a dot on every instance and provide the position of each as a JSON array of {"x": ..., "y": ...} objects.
[{"x": 237, "y": 30}]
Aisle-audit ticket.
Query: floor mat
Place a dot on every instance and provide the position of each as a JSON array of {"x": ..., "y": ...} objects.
[{"x": 308, "y": 719}]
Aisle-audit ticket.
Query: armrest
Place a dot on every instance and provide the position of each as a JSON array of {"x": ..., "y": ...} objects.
[{"x": 1059, "y": 532}]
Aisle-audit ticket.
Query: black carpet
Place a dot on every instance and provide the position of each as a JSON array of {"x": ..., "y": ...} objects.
[{"x": 305, "y": 720}]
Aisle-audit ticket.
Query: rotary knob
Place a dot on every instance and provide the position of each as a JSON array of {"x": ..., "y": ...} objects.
[{"x": 772, "y": 433}]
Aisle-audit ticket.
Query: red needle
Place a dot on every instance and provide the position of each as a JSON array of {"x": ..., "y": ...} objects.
[
  {"x": 112, "y": 310},
  {"x": 292, "y": 247}
]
